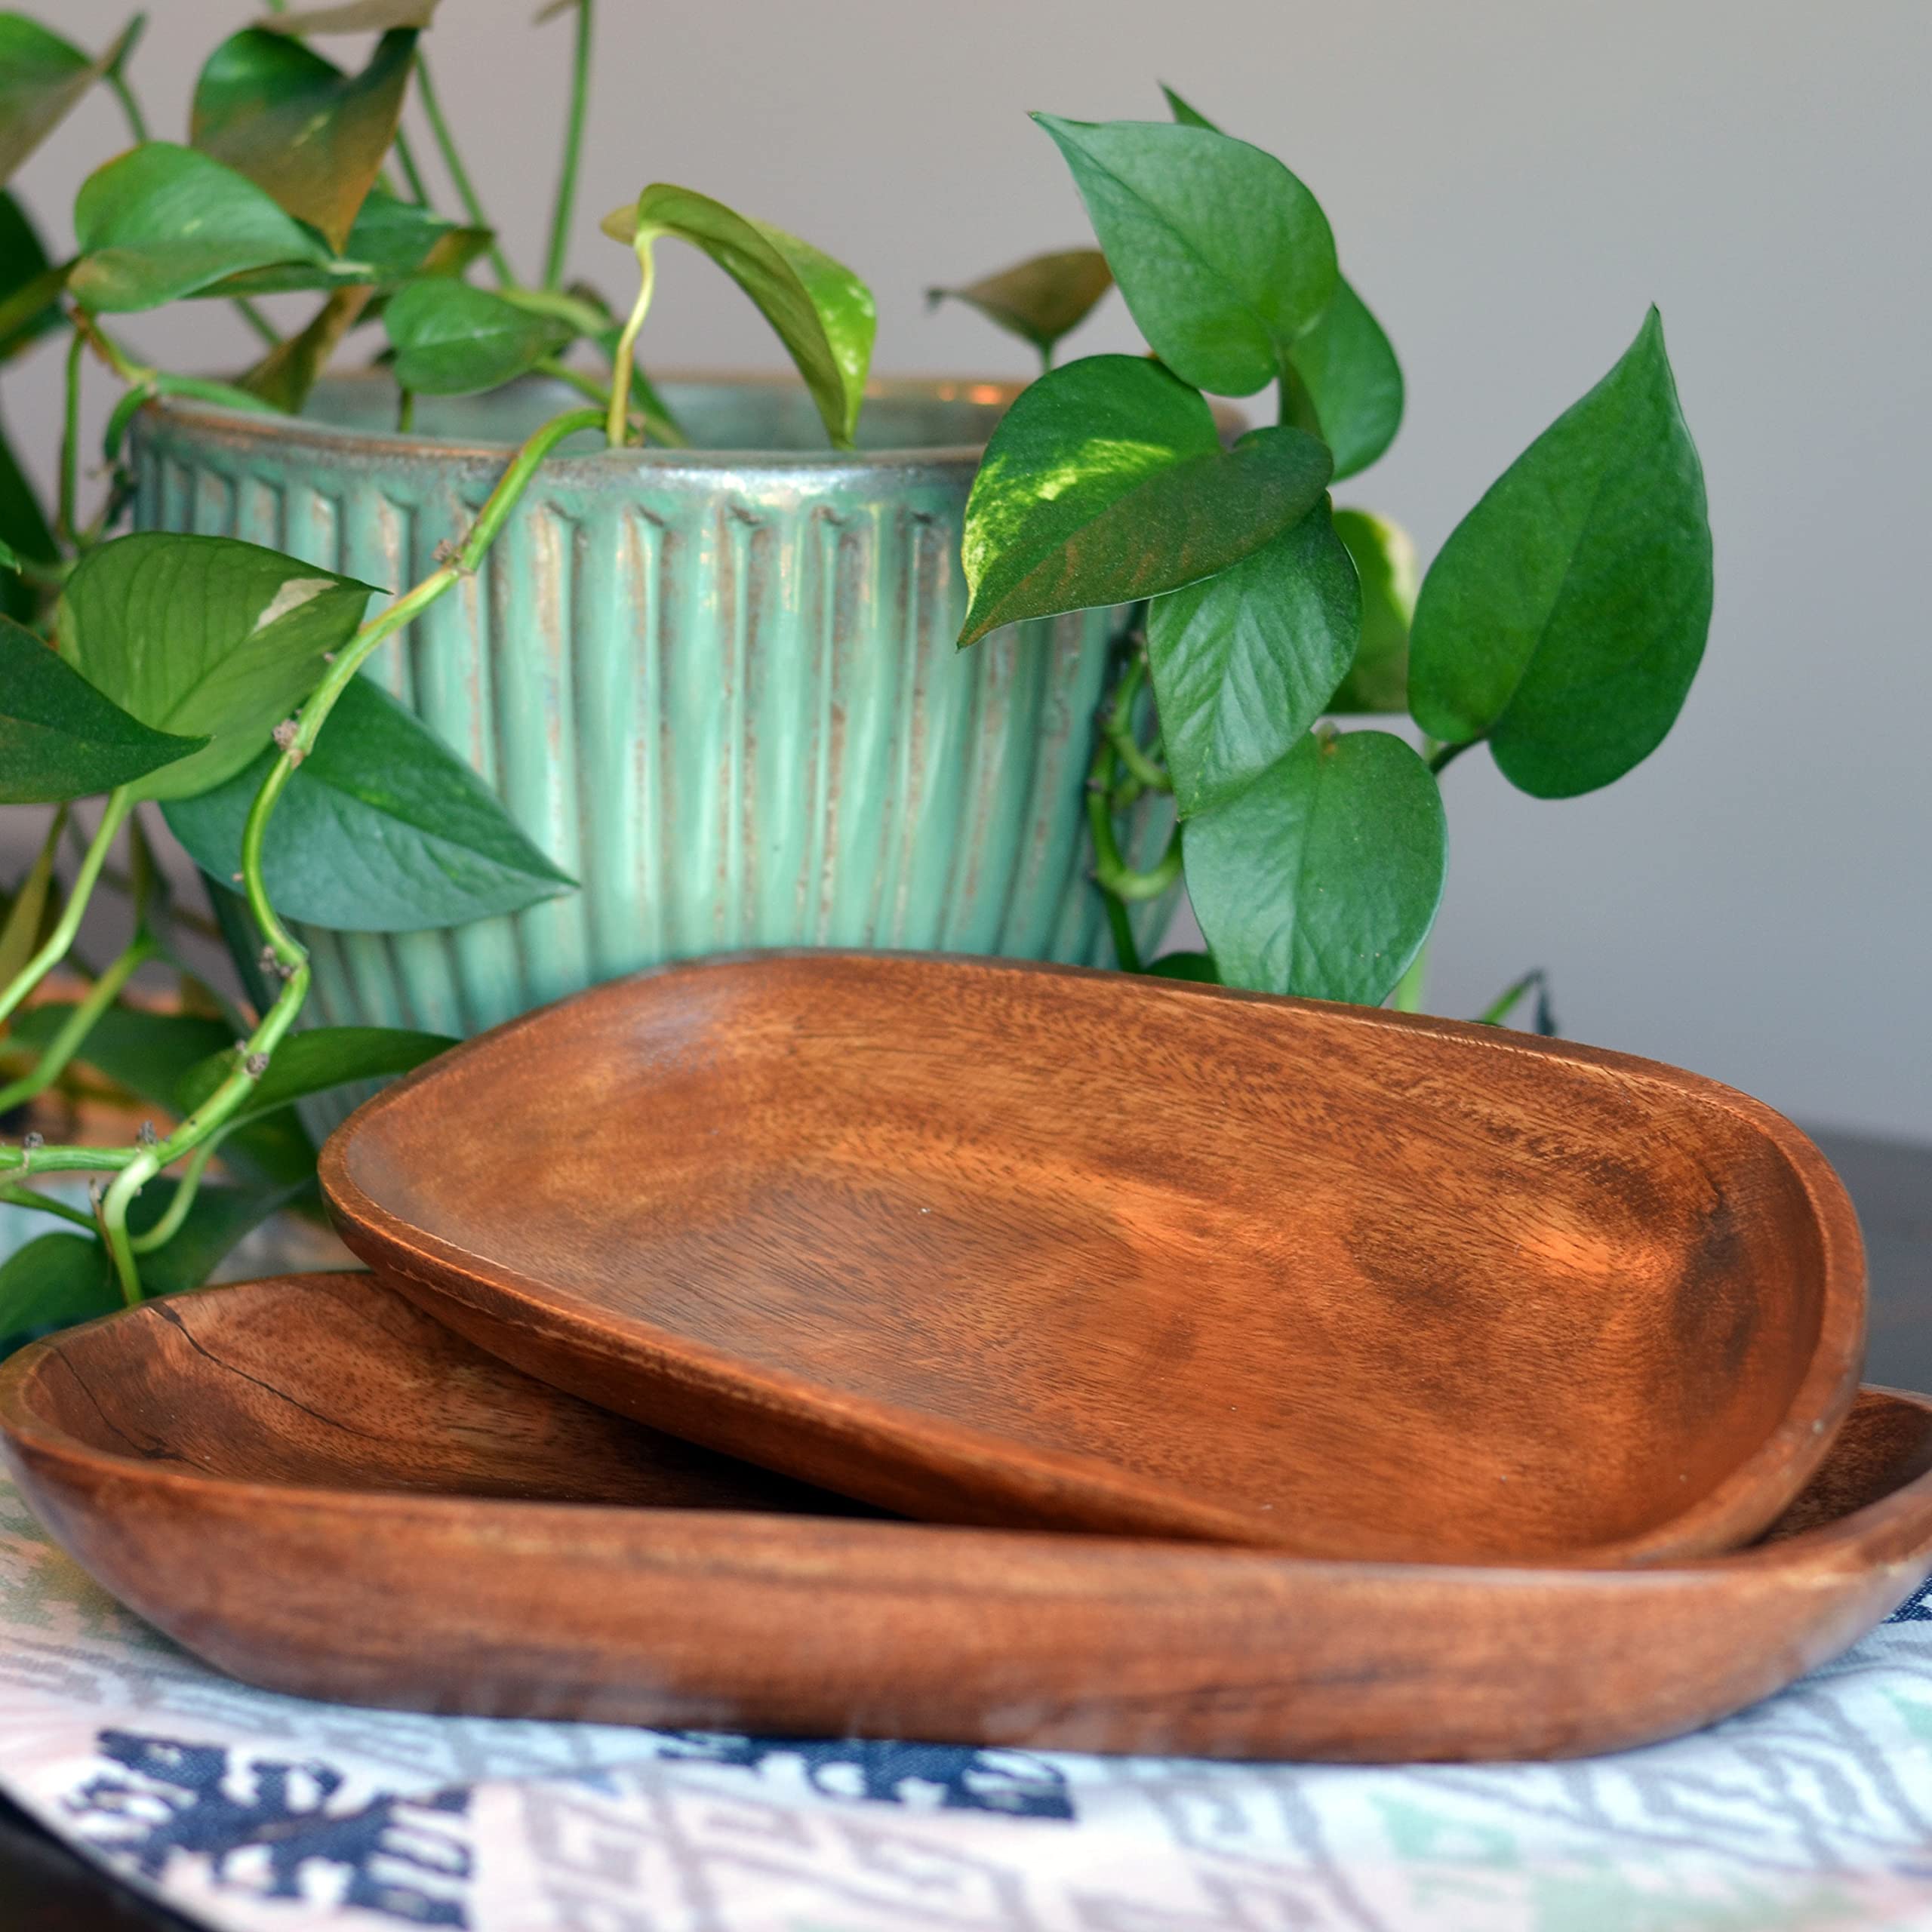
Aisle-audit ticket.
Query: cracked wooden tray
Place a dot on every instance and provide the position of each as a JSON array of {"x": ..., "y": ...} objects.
[
  {"x": 309, "y": 1483},
  {"x": 1024, "y": 1246}
]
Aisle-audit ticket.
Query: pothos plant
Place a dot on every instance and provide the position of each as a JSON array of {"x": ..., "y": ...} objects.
[
  {"x": 1561, "y": 624},
  {"x": 196, "y": 674},
  {"x": 218, "y": 681}
]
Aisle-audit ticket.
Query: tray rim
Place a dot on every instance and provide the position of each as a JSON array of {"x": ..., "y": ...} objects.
[
  {"x": 436, "y": 1272},
  {"x": 20, "y": 1429},
  {"x": 1841, "y": 1578}
]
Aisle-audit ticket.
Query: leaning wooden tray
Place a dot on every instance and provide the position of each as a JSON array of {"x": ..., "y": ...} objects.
[
  {"x": 1028, "y": 1246},
  {"x": 312, "y": 1485}
]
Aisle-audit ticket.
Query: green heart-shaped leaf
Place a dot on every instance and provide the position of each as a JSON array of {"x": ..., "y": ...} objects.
[
  {"x": 162, "y": 222},
  {"x": 1041, "y": 299},
  {"x": 32, "y": 310},
  {"x": 299, "y": 128},
  {"x": 398, "y": 240},
  {"x": 392, "y": 243},
  {"x": 58, "y": 1280},
  {"x": 30, "y": 912},
  {"x": 1347, "y": 385},
  {"x": 203, "y": 636},
  {"x": 820, "y": 310},
  {"x": 1323, "y": 878},
  {"x": 1106, "y": 481},
  {"x": 1245, "y": 662},
  {"x": 353, "y": 17},
  {"x": 146, "y": 1052},
  {"x": 1188, "y": 117},
  {"x": 218, "y": 1219},
  {"x": 1197, "y": 968},
  {"x": 30, "y": 285},
  {"x": 42, "y": 78},
  {"x": 23, "y": 530},
  {"x": 1385, "y": 562},
  {"x": 1224, "y": 258},
  {"x": 381, "y": 829},
  {"x": 55, "y": 1282},
  {"x": 312, "y": 1062},
  {"x": 60, "y": 738},
  {"x": 1351, "y": 384},
  {"x": 1566, "y": 616},
  {"x": 150, "y": 1053},
  {"x": 453, "y": 340}
]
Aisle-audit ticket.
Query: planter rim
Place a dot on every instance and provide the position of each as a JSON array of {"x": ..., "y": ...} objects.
[{"x": 333, "y": 439}]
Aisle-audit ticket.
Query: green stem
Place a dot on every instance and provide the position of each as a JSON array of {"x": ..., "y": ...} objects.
[
  {"x": 1107, "y": 860},
  {"x": 405, "y": 412},
  {"x": 130, "y": 106},
  {"x": 584, "y": 386},
  {"x": 146, "y": 384},
  {"x": 1297, "y": 410},
  {"x": 164, "y": 1230},
  {"x": 64, "y": 520},
  {"x": 406, "y": 160},
  {"x": 1147, "y": 772},
  {"x": 23, "y": 1161},
  {"x": 28, "y": 1199},
  {"x": 560, "y": 215},
  {"x": 50, "y": 956},
  {"x": 78, "y": 1024},
  {"x": 625, "y": 355},
  {"x": 48, "y": 576},
  {"x": 1136, "y": 888},
  {"x": 1445, "y": 755},
  {"x": 1127, "y": 952},
  {"x": 117, "y": 358},
  {"x": 1118, "y": 751},
  {"x": 1118, "y": 884},
  {"x": 490, "y": 520},
  {"x": 204, "y": 1124},
  {"x": 515, "y": 479},
  {"x": 139, "y": 1166},
  {"x": 116, "y": 79},
  {"x": 459, "y": 174},
  {"x": 197, "y": 923},
  {"x": 256, "y": 321},
  {"x": 25, "y": 1197},
  {"x": 1500, "y": 1009}
]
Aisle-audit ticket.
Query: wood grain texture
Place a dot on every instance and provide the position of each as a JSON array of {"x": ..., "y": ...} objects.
[
  {"x": 1030, "y": 1246},
  {"x": 308, "y": 1484}
]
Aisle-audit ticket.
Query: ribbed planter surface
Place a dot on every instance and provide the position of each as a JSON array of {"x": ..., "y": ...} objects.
[{"x": 720, "y": 689}]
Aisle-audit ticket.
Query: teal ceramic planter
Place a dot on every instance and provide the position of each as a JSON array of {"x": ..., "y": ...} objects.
[{"x": 718, "y": 687}]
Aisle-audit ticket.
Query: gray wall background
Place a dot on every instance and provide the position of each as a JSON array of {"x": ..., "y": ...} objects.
[{"x": 1512, "y": 183}]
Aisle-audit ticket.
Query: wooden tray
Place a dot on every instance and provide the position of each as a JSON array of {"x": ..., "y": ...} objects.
[
  {"x": 311, "y": 1485},
  {"x": 1015, "y": 1245}
]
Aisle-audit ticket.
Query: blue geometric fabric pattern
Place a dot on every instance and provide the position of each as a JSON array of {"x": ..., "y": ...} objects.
[
  {"x": 172, "y": 1799},
  {"x": 952, "y": 1777},
  {"x": 1917, "y": 1608}
]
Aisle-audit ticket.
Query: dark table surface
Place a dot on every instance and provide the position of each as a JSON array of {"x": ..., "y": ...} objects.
[{"x": 45, "y": 1888}]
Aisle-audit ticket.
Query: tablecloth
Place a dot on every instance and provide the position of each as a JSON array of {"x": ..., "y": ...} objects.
[{"x": 253, "y": 1812}]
